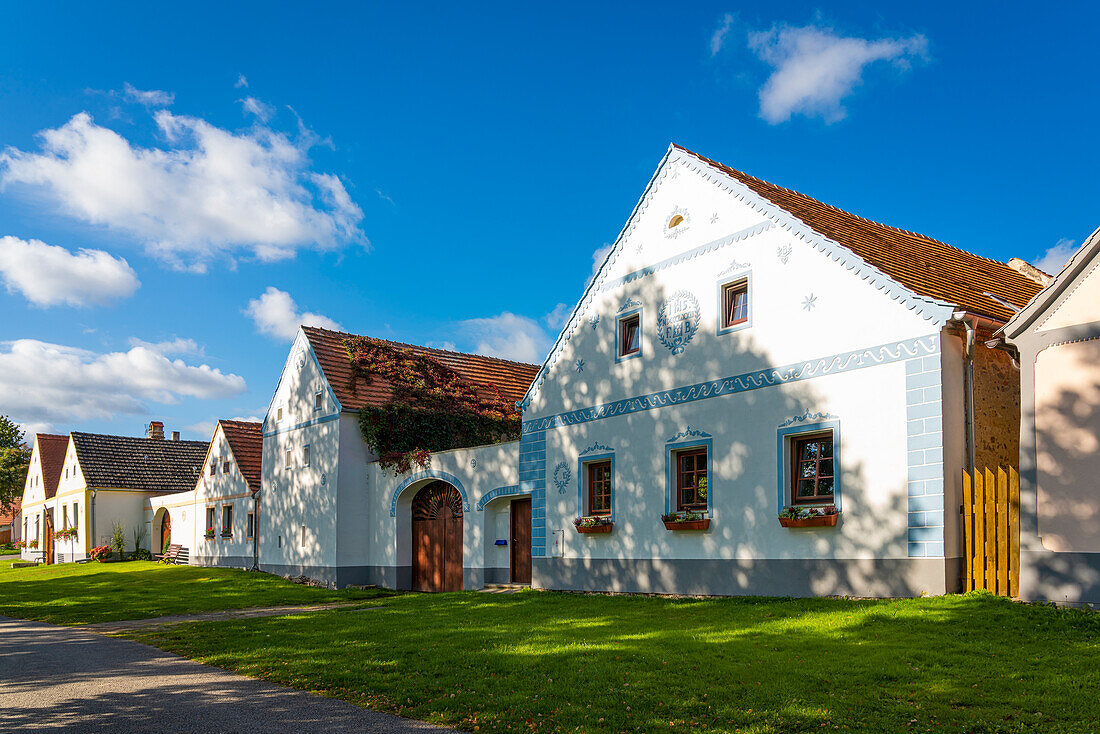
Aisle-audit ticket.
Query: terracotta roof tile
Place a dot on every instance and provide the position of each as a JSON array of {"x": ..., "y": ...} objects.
[
  {"x": 51, "y": 452},
  {"x": 9, "y": 518},
  {"x": 923, "y": 265},
  {"x": 145, "y": 464},
  {"x": 511, "y": 378},
  {"x": 246, "y": 439}
]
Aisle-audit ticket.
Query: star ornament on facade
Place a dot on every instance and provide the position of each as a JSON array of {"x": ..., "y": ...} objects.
[
  {"x": 809, "y": 302},
  {"x": 714, "y": 218},
  {"x": 580, "y": 365}
]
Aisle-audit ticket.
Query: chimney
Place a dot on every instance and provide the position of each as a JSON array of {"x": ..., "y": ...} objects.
[
  {"x": 156, "y": 430},
  {"x": 1029, "y": 271},
  {"x": 175, "y": 435}
]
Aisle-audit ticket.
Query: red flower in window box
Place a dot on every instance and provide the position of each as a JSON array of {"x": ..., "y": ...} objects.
[
  {"x": 593, "y": 524},
  {"x": 686, "y": 521},
  {"x": 809, "y": 517}
]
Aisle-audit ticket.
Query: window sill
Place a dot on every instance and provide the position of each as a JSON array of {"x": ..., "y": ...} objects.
[
  {"x": 809, "y": 522},
  {"x": 703, "y": 524}
]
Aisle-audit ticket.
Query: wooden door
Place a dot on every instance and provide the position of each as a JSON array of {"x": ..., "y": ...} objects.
[
  {"x": 165, "y": 531},
  {"x": 47, "y": 539},
  {"x": 521, "y": 541},
  {"x": 437, "y": 538}
]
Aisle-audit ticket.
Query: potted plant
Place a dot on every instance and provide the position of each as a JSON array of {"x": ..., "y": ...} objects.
[
  {"x": 227, "y": 532},
  {"x": 593, "y": 524},
  {"x": 101, "y": 553},
  {"x": 686, "y": 521},
  {"x": 809, "y": 517},
  {"x": 210, "y": 533},
  {"x": 33, "y": 544}
]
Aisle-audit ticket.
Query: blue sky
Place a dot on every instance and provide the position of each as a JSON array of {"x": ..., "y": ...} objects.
[{"x": 177, "y": 188}]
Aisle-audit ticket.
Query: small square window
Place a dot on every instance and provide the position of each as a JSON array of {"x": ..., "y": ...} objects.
[
  {"x": 735, "y": 303},
  {"x": 286, "y": 461},
  {"x": 691, "y": 480},
  {"x": 812, "y": 469},
  {"x": 630, "y": 335},
  {"x": 279, "y": 414},
  {"x": 213, "y": 466},
  {"x": 226, "y": 466},
  {"x": 599, "y": 488},
  {"x": 318, "y": 400},
  {"x": 305, "y": 455}
]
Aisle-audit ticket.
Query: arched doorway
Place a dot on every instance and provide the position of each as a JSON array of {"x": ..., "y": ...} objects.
[
  {"x": 165, "y": 531},
  {"x": 437, "y": 538}
]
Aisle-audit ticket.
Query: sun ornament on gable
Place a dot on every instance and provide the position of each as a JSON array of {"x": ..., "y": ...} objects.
[
  {"x": 677, "y": 222},
  {"x": 562, "y": 475},
  {"x": 678, "y": 320}
]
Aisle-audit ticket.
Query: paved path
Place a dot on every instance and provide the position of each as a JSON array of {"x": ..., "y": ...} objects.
[
  {"x": 66, "y": 679},
  {"x": 131, "y": 625}
]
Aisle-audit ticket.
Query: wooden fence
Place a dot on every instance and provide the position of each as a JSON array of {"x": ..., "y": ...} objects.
[{"x": 991, "y": 530}]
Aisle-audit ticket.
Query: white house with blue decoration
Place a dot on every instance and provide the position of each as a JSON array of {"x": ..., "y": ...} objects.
[
  {"x": 759, "y": 393},
  {"x": 328, "y": 511}
]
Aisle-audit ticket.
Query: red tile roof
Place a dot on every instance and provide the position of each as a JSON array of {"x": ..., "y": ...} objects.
[
  {"x": 51, "y": 453},
  {"x": 246, "y": 440},
  {"x": 511, "y": 378},
  {"x": 9, "y": 517},
  {"x": 923, "y": 265}
]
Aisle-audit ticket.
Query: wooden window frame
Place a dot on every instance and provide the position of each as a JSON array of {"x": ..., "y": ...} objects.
[
  {"x": 741, "y": 285},
  {"x": 590, "y": 470},
  {"x": 250, "y": 525},
  {"x": 319, "y": 400},
  {"x": 211, "y": 518},
  {"x": 680, "y": 454},
  {"x": 796, "y": 443},
  {"x": 306, "y": 455},
  {"x": 227, "y": 466},
  {"x": 621, "y": 348},
  {"x": 227, "y": 513},
  {"x": 288, "y": 457},
  {"x": 213, "y": 465}
]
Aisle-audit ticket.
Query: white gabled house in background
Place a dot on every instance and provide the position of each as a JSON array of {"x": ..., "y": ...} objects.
[
  {"x": 746, "y": 349},
  {"x": 38, "y": 508},
  {"x": 1057, "y": 342},
  {"x": 215, "y": 521}
]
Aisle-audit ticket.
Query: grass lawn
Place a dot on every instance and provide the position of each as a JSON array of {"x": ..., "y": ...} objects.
[
  {"x": 540, "y": 661},
  {"x": 106, "y": 592}
]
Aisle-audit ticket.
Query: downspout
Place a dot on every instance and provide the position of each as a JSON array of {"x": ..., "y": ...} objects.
[
  {"x": 91, "y": 520},
  {"x": 255, "y": 531},
  {"x": 968, "y": 382}
]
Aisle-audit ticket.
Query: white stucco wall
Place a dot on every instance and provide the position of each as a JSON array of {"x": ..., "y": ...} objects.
[
  {"x": 218, "y": 489},
  {"x": 186, "y": 518}
]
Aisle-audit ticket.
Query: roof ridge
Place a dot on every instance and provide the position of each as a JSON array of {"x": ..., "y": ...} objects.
[
  {"x": 420, "y": 346},
  {"x": 910, "y": 232},
  {"x": 135, "y": 438}
]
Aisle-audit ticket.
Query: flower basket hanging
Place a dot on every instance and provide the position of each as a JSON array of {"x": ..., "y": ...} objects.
[
  {"x": 809, "y": 517},
  {"x": 593, "y": 524}
]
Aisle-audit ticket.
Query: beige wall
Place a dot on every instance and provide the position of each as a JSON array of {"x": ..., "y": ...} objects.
[
  {"x": 996, "y": 406},
  {"x": 1067, "y": 441}
]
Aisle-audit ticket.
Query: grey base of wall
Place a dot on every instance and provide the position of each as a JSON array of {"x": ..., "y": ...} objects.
[
  {"x": 882, "y": 577},
  {"x": 223, "y": 561},
  {"x": 388, "y": 577},
  {"x": 1065, "y": 578}
]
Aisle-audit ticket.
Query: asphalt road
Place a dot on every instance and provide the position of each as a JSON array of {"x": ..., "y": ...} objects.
[{"x": 64, "y": 679}]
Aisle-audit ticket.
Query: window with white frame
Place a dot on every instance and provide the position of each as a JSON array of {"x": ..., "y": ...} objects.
[
  {"x": 286, "y": 459},
  {"x": 629, "y": 336},
  {"x": 318, "y": 400},
  {"x": 734, "y": 299},
  {"x": 305, "y": 455}
]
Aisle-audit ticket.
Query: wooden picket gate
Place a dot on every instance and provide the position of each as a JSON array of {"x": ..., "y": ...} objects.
[{"x": 991, "y": 530}]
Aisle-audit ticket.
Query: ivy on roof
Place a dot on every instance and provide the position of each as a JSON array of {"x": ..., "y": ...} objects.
[{"x": 432, "y": 408}]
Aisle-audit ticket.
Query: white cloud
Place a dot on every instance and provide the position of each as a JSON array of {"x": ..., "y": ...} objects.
[
  {"x": 208, "y": 193},
  {"x": 555, "y": 320},
  {"x": 509, "y": 336},
  {"x": 598, "y": 257},
  {"x": 1057, "y": 256},
  {"x": 241, "y": 81},
  {"x": 50, "y": 384},
  {"x": 177, "y": 346},
  {"x": 48, "y": 275},
  {"x": 147, "y": 97},
  {"x": 276, "y": 314},
  {"x": 258, "y": 108},
  {"x": 814, "y": 68},
  {"x": 720, "y": 34}
]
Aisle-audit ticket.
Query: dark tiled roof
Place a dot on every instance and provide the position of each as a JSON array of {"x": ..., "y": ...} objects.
[
  {"x": 51, "y": 452},
  {"x": 511, "y": 378},
  {"x": 146, "y": 464},
  {"x": 923, "y": 265},
  {"x": 247, "y": 443}
]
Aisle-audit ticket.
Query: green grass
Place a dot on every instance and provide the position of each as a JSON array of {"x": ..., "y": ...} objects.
[
  {"x": 539, "y": 661},
  {"x": 106, "y": 592}
]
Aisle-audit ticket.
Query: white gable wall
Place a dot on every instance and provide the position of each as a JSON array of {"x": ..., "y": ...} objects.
[{"x": 218, "y": 489}]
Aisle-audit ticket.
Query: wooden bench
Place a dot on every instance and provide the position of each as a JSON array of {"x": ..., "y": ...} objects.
[{"x": 172, "y": 555}]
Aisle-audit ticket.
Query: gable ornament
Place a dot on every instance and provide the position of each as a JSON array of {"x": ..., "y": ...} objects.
[
  {"x": 562, "y": 475},
  {"x": 678, "y": 320}
]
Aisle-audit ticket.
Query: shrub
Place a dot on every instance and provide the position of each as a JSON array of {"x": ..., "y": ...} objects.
[
  {"x": 118, "y": 539},
  {"x": 101, "y": 553},
  {"x": 141, "y": 554}
]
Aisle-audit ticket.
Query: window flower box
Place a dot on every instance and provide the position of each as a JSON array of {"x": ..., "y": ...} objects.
[
  {"x": 686, "y": 521},
  {"x": 593, "y": 524},
  {"x": 210, "y": 533},
  {"x": 809, "y": 517},
  {"x": 227, "y": 533}
]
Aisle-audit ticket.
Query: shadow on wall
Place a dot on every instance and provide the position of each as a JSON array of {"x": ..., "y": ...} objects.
[{"x": 874, "y": 500}]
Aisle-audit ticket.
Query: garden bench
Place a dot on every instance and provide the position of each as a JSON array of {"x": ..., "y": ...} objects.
[{"x": 171, "y": 555}]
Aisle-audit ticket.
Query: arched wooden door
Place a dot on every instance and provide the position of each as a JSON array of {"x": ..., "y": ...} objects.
[
  {"x": 165, "y": 531},
  {"x": 437, "y": 538}
]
